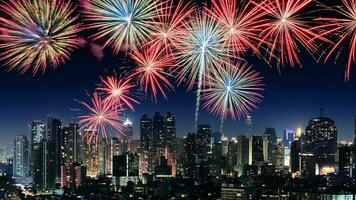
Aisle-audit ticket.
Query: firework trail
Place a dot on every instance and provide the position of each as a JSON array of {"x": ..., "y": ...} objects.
[
  {"x": 284, "y": 29},
  {"x": 170, "y": 24},
  {"x": 151, "y": 68},
  {"x": 37, "y": 34},
  {"x": 232, "y": 90},
  {"x": 202, "y": 48},
  {"x": 240, "y": 22},
  {"x": 117, "y": 91},
  {"x": 344, "y": 28},
  {"x": 101, "y": 119},
  {"x": 122, "y": 24}
]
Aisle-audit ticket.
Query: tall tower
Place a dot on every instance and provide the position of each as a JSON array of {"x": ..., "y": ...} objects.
[
  {"x": 55, "y": 140},
  {"x": 170, "y": 123},
  {"x": 158, "y": 130},
  {"x": 20, "y": 159},
  {"x": 321, "y": 139},
  {"x": 128, "y": 135},
  {"x": 202, "y": 149},
  {"x": 146, "y": 132}
]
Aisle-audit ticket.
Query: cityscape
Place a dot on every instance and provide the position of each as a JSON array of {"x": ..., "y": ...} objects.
[
  {"x": 177, "y": 100},
  {"x": 52, "y": 161}
]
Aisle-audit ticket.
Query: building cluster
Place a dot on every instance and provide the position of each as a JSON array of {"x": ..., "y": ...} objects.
[{"x": 57, "y": 161}]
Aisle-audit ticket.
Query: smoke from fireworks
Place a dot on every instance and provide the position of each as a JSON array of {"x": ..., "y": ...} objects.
[
  {"x": 121, "y": 24},
  {"x": 151, "y": 71},
  {"x": 118, "y": 91},
  {"x": 202, "y": 48},
  {"x": 345, "y": 30},
  {"x": 232, "y": 90},
  {"x": 37, "y": 34},
  {"x": 102, "y": 118}
]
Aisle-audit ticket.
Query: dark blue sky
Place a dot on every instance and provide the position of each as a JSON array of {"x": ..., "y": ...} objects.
[{"x": 291, "y": 98}]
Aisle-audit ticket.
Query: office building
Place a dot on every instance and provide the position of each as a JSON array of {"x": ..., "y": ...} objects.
[{"x": 20, "y": 158}]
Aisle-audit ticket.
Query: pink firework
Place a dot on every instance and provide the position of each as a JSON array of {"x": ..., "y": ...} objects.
[
  {"x": 151, "y": 70},
  {"x": 170, "y": 24},
  {"x": 344, "y": 28},
  {"x": 101, "y": 118},
  {"x": 118, "y": 91},
  {"x": 284, "y": 29},
  {"x": 241, "y": 22}
]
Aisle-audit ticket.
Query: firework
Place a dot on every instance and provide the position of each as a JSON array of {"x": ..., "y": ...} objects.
[
  {"x": 118, "y": 91},
  {"x": 122, "y": 24},
  {"x": 151, "y": 69},
  {"x": 232, "y": 90},
  {"x": 170, "y": 24},
  {"x": 101, "y": 118},
  {"x": 345, "y": 30},
  {"x": 241, "y": 23},
  {"x": 284, "y": 29},
  {"x": 37, "y": 34},
  {"x": 202, "y": 48}
]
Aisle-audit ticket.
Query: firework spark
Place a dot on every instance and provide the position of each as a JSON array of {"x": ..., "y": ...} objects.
[
  {"x": 170, "y": 24},
  {"x": 118, "y": 91},
  {"x": 202, "y": 48},
  {"x": 232, "y": 90},
  {"x": 345, "y": 29},
  {"x": 37, "y": 34},
  {"x": 101, "y": 118},
  {"x": 151, "y": 70},
  {"x": 123, "y": 24},
  {"x": 284, "y": 28},
  {"x": 241, "y": 23}
]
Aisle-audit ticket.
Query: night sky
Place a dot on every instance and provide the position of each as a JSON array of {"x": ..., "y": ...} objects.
[{"x": 291, "y": 98}]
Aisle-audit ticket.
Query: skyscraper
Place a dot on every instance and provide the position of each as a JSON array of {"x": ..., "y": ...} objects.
[
  {"x": 20, "y": 159},
  {"x": 259, "y": 147},
  {"x": 36, "y": 132},
  {"x": 128, "y": 135},
  {"x": 159, "y": 136},
  {"x": 170, "y": 124},
  {"x": 295, "y": 151},
  {"x": 288, "y": 137},
  {"x": 243, "y": 152},
  {"x": 345, "y": 160},
  {"x": 189, "y": 156},
  {"x": 321, "y": 140},
  {"x": 54, "y": 136},
  {"x": 146, "y": 132},
  {"x": 203, "y": 138},
  {"x": 270, "y": 134}
]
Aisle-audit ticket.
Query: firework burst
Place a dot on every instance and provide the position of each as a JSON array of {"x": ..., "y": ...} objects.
[
  {"x": 241, "y": 23},
  {"x": 232, "y": 90},
  {"x": 151, "y": 71},
  {"x": 37, "y": 34},
  {"x": 117, "y": 91},
  {"x": 101, "y": 119},
  {"x": 284, "y": 29},
  {"x": 345, "y": 30},
  {"x": 170, "y": 24},
  {"x": 202, "y": 48},
  {"x": 122, "y": 24}
]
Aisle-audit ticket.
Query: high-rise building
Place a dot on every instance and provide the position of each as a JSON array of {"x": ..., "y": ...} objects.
[
  {"x": 277, "y": 157},
  {"x": 295, "y": 151},
  {"x": 55, "y": 142},
  {"x": 259, "y": 149},
  {"x": 248, "y": 123},
  {"x": 345, "y": 160},
  {"x": 128, "y": 135},
  {"x": 146, "y": 132},
  {"x": 91, "y": 156},
  {"x": 20, "y": 158},
  {"x": 288, "y": 137},
  {"x": 321, "y": 140},
  {"x": 170, "y": 124},
  {"x": 243, "y": 152},
  {"x": 189, "y": 160},
  {"x": 36, "y": 132},
  {"x": 270, "y": 134},
  {"x": 159, "y": 136},
  {"x": 2, "y": 156},
  {"x": 116, "y": 149},
  {"x": 203, "y": 138}
]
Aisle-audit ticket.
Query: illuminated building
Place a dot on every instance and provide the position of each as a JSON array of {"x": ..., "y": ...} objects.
[
  {"x": 127, "y": 135},
  {"x": 296, "y": 149},
  {"x": 203, "y": 137},
  {"x": 243, "y": 152},
  {"x": 158, "y": 127},
  {"x": 146, "y": 132},
  {"x": 91, "y": 156},
  {"x": 270, "y": 134},
  {"x": 288, "y": 137},
  {"x": 20, "y": 158},
  {"x": 321, "y": 140},
  {"x": 170, "y": 125},
  {"x": 189, "y": 160},
  {"x": 345, "y": 160},
  {"x": 259, "y": 150}
]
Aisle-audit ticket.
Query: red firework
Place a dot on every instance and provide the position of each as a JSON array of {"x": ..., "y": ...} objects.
[
  {"x": 284, "y": 29},
  {"x": 118, "y": 91},
  {"x": 101, "y": 118},
  {"x": 241, "y": 23},
  {"x": 170, "y": 24},
  {"x": 345, "y": 30},
  {"x": 151, "y": 69}
]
